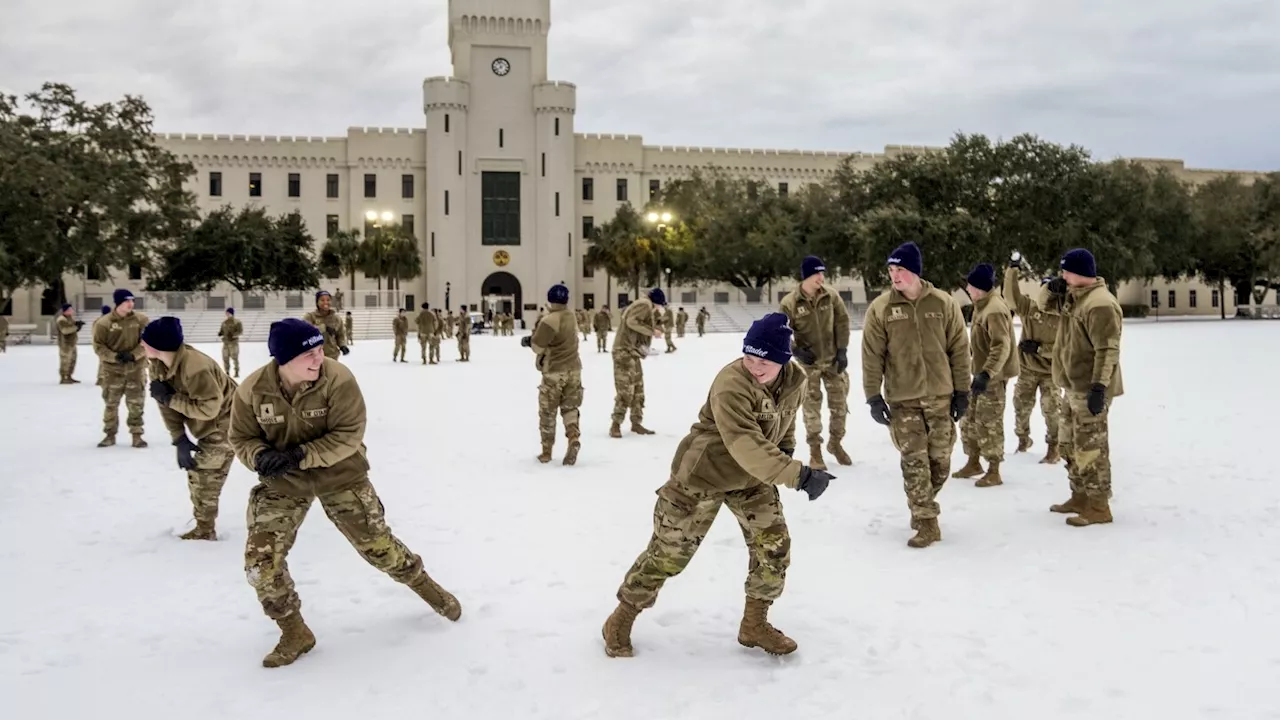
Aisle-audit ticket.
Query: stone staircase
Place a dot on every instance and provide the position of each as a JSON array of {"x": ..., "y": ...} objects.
[
  {"x": 201, "y": 326},
  {"x": 737, "y": 317}
]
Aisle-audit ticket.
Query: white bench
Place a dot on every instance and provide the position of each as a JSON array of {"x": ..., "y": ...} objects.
[{"x": 21, "y": 334}]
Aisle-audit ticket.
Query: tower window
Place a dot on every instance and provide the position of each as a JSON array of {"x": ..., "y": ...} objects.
[{"x": 500, "y": 208}]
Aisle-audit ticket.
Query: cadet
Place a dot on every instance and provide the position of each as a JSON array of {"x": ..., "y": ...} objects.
[
  {"x": 668, "y": 328},
  {"x": 429, "y": 334},
  {"x": 682, "y": 320},
  {"x": 821, "y": 323},
  {"x": 351, "y": 337},
  {"x": 1035, "y": 360},
  {"x": 994, "y": 362},
  {"x": 1086, "y": 363},
  {"x": 193, "y": 394},
  {"x": 914, "y": 344},
  {"x": 230, "y": 333},
  {"x": 464, "y": 334},
  {"x": 703, "y": 316},
  {"x": 106, "y": 310},
  {"x": 400, "y": 327},
  {"x": 68, "y": 335},
  {"x": 555, "y": 343},
  {"x": 637, "y": 328},
  {"x": 603, "y": 323},
  {"x": 299, "y": 422},
  {"x": 736, "y": 454},
  {"x": 324, "y": 318},
  {"x": 117, "y": 341}
]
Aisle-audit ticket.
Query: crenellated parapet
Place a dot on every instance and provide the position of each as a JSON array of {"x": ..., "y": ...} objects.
[
  {"x": 555, "y": 97},
  {"x": 445, "y": 93}
]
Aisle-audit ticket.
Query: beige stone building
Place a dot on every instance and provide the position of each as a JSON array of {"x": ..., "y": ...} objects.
[{"x": 497, "y": 185}]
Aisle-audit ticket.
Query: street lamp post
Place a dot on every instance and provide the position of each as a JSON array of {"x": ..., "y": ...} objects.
[
  {"x": 377, "y": 221},
  {"x": 660, "y": 220}
]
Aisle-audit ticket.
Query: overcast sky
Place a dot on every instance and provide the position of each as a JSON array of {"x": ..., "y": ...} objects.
[{"x": 1191, "y": 79}]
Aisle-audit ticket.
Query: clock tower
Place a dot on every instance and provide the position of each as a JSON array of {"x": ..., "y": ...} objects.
[{"x": 500, "y": 162}]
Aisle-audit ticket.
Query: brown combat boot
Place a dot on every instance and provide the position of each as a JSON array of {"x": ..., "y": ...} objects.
[
  {"x": 1074, "y": 505},
  {"x": 296, "y": 639},
  {"x": 202, "y": 531},
  {"x": 1096, "y": 511},
  {"x": 1051, "y": 456},
  {"x": 437, "y": 597},
  {"x": 927, "y": 533},
  {"x": 973, "y": 468},
  {"x": 755, "y": 630},
  {"x": 65, "y": 381},
  {"x": 639, "y": 429},
  {"x": 615, "y": 430},
  {"x": 815, "y": 457},
  {"x": 108, "y": 441},
  {"x": 1024, "y": 444},
  {"x": 138, "y": 442},
  {"x": 545, "y": 457},
  {"x": 571, "y": 455},
  {"x": 617, "y": 631},
  {"x": 992, "y": 478},
  {"x": 835, "y": 448}
]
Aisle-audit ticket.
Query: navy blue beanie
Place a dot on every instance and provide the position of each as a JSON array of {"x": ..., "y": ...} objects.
[
  {"x": 163, "y": 334},
  {"x": 811, "y": 265},
  {"x": 907, "y": 256},
  {"x": 657, "y": 296},
  {"x": 322, "y": 293},
  {"x": 106, "y": 309},
  {"x": 769, "y": 338},
  {"x": 290, "y": 337},
  {"x": 65, "y": 307},
  {"x": 231, "y": 311},
  {"x": 983, "y": 277},
  {"x": 1080, "y": 262},
  {"x": 121, "y": 296},
  {"x": 558, "y": 294}
]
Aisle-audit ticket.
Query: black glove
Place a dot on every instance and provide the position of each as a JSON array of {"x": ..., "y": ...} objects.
[
  {"x": 1097, "y": 398},
  {"x": 804, "y": 355},
  {"x": 959, "y": 405},
  {"x": 345, "y": 350},
  {"x": 979, "y": 384},
  {"x": 880, "y": 410},
  {"x": 79, "y": 324},
  {"x": 124, "y": 357},
  {"x": 278, "y": 462},
  {"x": 1058, "y": 286},
  {"x": 186, "y": 448},
  {"x": 842, "y": 359},
  {"x": 526, "y": 341},
  {"x": 162, "y": 392},
  {"x": 1030, "y": 347},
  {"x": 789, "y": 452},
  {"x": 814, "y": 482}
]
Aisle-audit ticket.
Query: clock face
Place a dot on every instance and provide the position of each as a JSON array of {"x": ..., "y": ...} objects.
[{"x": 501, "y": 66}]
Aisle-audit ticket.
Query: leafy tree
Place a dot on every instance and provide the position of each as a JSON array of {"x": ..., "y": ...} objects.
[
  {"x": 247, "y": 249},
  {"x": 624, "y": 247},
  {"x": 341, "y": 255},
  {"x": 391, "y": 252}
]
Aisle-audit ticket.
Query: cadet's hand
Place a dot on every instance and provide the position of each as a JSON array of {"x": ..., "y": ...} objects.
[
  {"x": 124, "y": 357},
  {"x": 1015, "y": 259},
  {"x": 162, "y": 392},
  {"x": 345, "y": 350},
  {"x": 979, "y": 384},
  {"x": 1057, "y": 286},
  {"x": 814, "y": 482},
  {"x": 526, "y": 341},
  {"x": 1097, "y": 398},
  {"x": 79, "y": 324},
  {"x": 1030, "y": 347},
  {"x": 186, "y": 450},
  {"x": 278, "y": 462},
  {"x": 959, "y": 405},
  {"x": 880, "y": 410},
  {"x": 804, "y": 355},
  {"x": 842, "y": 359},
  {"x": 789, "y": 452}
]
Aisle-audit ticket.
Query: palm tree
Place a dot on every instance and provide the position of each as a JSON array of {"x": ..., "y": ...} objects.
[{"x": 341, "y": 254}]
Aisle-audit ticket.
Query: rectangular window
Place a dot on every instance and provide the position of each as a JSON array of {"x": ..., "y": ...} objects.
[
  {"x": 255, "y": 184},
  {"x": 215, "y": 184},
  {"x": 589, "y": 301},
  {"x": 1213, "y": 298},
  {"x": 557, "y": 204},
  {"x": 459, "y": 163},
  {"x": 406, "y": 222},
  {"x": 557, "y": 127},
  {"x": 752, "y": 191},
  {"x": 569, "y": 243},
  {"x": 135, "y": 271},
  {"x": 622, "y": 189},
  {"x": 92, "y": 273},
  {"x": 406, "y": 186},
  {"x": 446, "y": 202},
  {"x": 1191, "y": 298},
  {"x": 331, "y": 185},
  {"x": 623, "y": 300},
  {"x": 544, "y": 164},
  {"x": 588, "y": 227},
  {"x": 370, "y": 185},
  {"x": 783, "y": 189},
  {"x": 588, "y": 271},
  {"x": 446, "y": 122},
  {"x": 500, "y": 208},
  {"x": 500, "y": 137},
  {"x": 1173, "y": 299},
  {"x": 1155, "y": 298},
  {"x": 295, "y": 185},
  {"x": 330, "y": 225},
  {"x": 654, "y": 187},
  {"x": 433, "y": 244},
  {"x": 588, "y": 189}
]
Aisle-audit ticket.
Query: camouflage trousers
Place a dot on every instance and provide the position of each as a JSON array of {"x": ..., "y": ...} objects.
[
  {"x": 464, "y": 347},
  {"x": 837, "y": 402},
  {"x": 602, "y": 341},
  {"x": 681, "y": 519},
  {"x": 67, "y": 355},
  {"x": 680, "y": 330},
  {"x": 702, "y": 329},
  {"x": 351, "y": 336},
  {"x": 273, "y": 520},
  {"x": 666, "y": 335},
  {"x": 230, "y": 355},
  {"x": 1024, "y": 398},
  {"x": 982, "y": 427},
  {"x": 1084, "y": 443},
  {"x": 430, "y": 348},
  {"x": 213, "y": 461},
  {"x": 127, "y": 385},
  {"x": 397, "y": 353},
  {"x": 628, "y": 388},
  {"x": 559, "y": 392},
  {"x": 925, "y": 435}
]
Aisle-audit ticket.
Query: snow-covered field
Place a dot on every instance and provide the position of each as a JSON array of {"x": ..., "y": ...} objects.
[{"x": 1173, "y": 611}]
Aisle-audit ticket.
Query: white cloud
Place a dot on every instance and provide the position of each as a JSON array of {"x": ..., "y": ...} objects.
[{"x": 1174, "y": 78}]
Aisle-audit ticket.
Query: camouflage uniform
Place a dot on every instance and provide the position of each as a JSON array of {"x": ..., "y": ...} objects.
[
  {"x": 603, "y": 324},
  {"x": 326, "y": 421},
  {"x": 400, "y": 328},
  {"x": 464, "y": 335},
  {"x": 668, "y": 328},
  {"x": 68, "y": 336},
  {"x": 1039, "y": 325},
  {"x": 682, "y": 320},
  {"x": 335, "y": 332},
  {"x": 348, "y": 326},
  {"x": 993, "y": 352},
  {"x": 429, "y": 336},
  {"x": 116, "y": 337},
  {"x": 736, "y": 454},
  {"x": 821, "y": 326},
  {"x": 918, "y": 351},
  {"x": 631, "y": 345},
  {"x": 201, "y": 404},
  {"x": 230, "y": 333},
  {"x": 555, "y": 342},
  {"x": 703, "y": 315}
]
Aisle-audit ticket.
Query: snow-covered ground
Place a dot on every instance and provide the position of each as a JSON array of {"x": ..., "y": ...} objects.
[{"x": 1170, "y": 612}]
